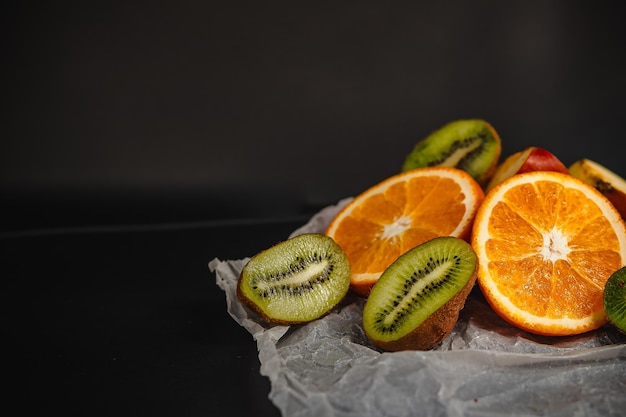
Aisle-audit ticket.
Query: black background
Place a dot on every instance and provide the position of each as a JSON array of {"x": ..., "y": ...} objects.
[
  {"x": 140, "y": 140},
  {"x": 128, "y": 111},
  {"x": 129, "y": 322}
]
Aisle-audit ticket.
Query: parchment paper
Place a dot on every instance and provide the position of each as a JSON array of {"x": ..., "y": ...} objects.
[{"x": 484, "y": 368}]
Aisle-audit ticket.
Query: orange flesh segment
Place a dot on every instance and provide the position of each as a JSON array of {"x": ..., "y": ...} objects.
[
  {"x": 406, "y": 209},
  {"x": 398, "y": 214},
  {"x": 549, "y": 249}
]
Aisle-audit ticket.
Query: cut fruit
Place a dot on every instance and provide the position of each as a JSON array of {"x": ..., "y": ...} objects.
[
  {"x": 530, "y": 159},
  {"x": 604, "y": 180},
  {"x": 401, "y": 212},
  {"x": 416, "y": 302},
  {"x": 546, "y": 243},
  {"x": 615, "y": 299},
  {"x": 472, "y": 145},
  {"x": 297, "y": 280}
]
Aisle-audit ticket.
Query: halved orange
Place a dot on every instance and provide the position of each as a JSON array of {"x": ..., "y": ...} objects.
[
  {"x": 401, "y": 212},
  {"x": 547, "y": 242}
]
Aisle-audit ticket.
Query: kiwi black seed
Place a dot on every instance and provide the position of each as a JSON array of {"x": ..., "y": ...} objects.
[
  {"x": 297, "y": 280},
  {"x": 615, "y": 299},
  {"x": 416, "y": 301},
  {"x": 472, "y": 145}
]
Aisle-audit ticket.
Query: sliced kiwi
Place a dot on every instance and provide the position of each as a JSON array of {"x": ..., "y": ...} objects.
[
  {"x": 472, "y": 145},
  {"x": 297, "y": 280},
  {"x": 416, "y": 302},
  {"x": 615, "y": 299}
]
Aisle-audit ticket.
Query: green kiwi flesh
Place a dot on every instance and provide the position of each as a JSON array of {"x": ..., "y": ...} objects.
[
  {"x": 615, "y": 299},
  {"x": 472, "y": 145},
  {"x": 416, "y": 302},
  {"x": 297, "y": 280}
]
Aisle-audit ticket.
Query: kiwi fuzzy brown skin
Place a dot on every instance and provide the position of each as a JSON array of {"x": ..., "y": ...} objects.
[
  {"x": 438, "y": 324},
  {"x": 472, "y": 145},
  {"x": 275, "y": 267}
]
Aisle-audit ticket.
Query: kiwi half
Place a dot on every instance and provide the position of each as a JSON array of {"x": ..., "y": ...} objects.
[
  {"x": 297, "y": 280},
  {"x": 416, "y": 302},
  {"x": 472, "y": 145},
  {"x": 615, "y": 299}
]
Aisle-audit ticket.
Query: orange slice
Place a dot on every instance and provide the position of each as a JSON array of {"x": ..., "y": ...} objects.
[
  {"x": 399, "y": 213},
  {"x": 547, "y": 242}
]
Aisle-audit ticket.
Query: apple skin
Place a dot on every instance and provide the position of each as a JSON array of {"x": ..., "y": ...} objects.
[
  {"x": 604, "y": 180},
  {"x": 530, "y": 159}
]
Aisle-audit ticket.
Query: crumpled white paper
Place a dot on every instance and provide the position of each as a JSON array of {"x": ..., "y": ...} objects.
[{"x": 485, "y": 367}]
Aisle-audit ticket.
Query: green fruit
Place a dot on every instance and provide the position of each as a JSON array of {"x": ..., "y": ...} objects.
[
  {"x": 472, "y": 145},
  {"x": 615, "y": 299},
  {"x": 297, "y": 280},
  {"x": 416, "y": 302}
]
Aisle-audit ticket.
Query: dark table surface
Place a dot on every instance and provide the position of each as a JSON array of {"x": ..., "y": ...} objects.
[{"x": 129, "y": 321}]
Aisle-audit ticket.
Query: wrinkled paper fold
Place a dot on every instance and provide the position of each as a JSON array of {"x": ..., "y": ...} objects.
[{"x": 485, "y": 367}]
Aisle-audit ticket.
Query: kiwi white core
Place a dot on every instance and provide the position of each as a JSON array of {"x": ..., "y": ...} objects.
[
  {"x": 455, "y": 158},
  {"x": 296, "y": 278}
]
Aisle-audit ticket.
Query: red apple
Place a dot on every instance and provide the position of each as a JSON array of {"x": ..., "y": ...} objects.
[{"x": 530, "y": 159}]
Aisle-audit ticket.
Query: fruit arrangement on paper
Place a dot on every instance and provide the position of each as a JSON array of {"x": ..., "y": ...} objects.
[{"x": 545, "y": 244}]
